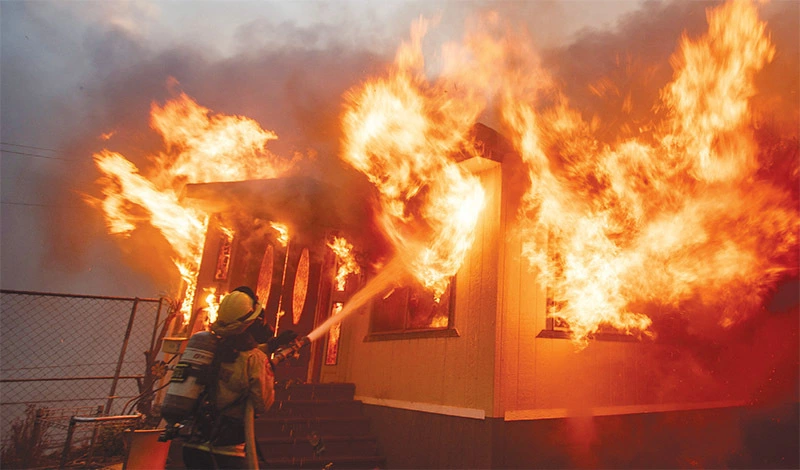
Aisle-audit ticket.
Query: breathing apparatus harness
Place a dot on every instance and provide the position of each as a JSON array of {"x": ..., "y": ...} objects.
[
  {"x": 210, "y": 422},
  {"x": 194, "y": 377},
  {"x": 192, "y": 388}
]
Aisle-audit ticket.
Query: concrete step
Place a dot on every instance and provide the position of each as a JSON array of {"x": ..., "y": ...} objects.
[
  {"x": 315, "y": 409},
  {"x": 339, "y": 463},
  {"x": 269, "y": 426},
  {"x": 318, "y": 447},
  {"x": 325, "y": 391}
]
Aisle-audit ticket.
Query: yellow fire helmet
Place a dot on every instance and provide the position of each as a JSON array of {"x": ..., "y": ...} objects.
[{"x": 237, "y": 311}]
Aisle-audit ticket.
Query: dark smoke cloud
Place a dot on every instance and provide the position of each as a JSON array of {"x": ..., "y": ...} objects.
[
  {"x": 294, "y": 91},
  {"x": 602, "y": 69}
]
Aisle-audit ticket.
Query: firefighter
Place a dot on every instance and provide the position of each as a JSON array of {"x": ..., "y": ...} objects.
[{"x": 241, "y": 371}]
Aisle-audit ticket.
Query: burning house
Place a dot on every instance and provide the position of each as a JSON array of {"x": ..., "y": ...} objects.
[{"x": 538, "y": 298}]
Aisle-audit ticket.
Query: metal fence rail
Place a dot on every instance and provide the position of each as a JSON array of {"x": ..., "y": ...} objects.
[
  {"x": 117, "y": 426},
  {"x": 73, "y": 352}
]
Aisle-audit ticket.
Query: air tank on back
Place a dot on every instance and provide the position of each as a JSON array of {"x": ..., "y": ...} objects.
[{"x": 188, "y": 380}]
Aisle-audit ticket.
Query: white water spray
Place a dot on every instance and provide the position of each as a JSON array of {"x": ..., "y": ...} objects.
[{"x": 388, "y": 277}]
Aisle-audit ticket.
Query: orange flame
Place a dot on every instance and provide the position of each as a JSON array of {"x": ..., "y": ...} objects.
[
  {"x": 345, "y": 260},
  {"x": 283, "y": 232},
  {"x": 184, "y": 228},
  {"x": 212, "y": 303},
  {"x": 403, "y": 134},
  {"x": 199, "y": 148},
  {"x": 678, "y": 220}
]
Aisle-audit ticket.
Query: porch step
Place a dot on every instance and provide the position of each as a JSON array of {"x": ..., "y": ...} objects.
[
  {"x": 317, "y": 426},
  {"x": 339, "y": 463},
  {"x": 313, "y": 447},
  {"x": 290, "y": 427},
  {"x": 326, "y": 391},
  {"x": 315, "y": 409}
]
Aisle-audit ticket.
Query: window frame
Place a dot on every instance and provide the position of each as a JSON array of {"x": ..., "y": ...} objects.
[
  {"x": 553, "y": 330},
  {"x": 414, "y": 333}
]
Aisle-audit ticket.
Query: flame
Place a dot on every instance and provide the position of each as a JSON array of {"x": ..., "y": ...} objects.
[
  {"x": 200, "y": 147},
  {"x": 212, "y": 148},
  {"x": 283, "y": 232},
  {"x": 184, "y": 228},
  {"x": 212, "y": 302},
  {"x": 675, "y": 218},
  {"x": 403, "y": 133},
  {"x": 345, "y": 261}
]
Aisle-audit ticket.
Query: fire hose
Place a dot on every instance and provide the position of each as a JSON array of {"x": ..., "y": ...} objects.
[{"x": 251, "y": 451}]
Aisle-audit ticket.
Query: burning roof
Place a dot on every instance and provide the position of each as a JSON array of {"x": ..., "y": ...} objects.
[{"x": 307, "y": 205}]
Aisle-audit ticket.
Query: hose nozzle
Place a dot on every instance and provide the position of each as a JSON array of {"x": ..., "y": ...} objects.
[{"x": 292, "y": 350}]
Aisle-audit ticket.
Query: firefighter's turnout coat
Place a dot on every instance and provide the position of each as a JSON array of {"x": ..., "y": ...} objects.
[{"x": 248, "y": 376}]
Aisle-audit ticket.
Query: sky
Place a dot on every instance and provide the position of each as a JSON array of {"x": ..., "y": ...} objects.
[{"x": 72, "y": 71}]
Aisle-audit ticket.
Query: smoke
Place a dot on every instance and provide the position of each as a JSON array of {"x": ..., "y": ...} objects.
[
  {"x": 614, "y": 76},
  {"x": 74, "y": 72},
  {"x": 294, "y": 90}
]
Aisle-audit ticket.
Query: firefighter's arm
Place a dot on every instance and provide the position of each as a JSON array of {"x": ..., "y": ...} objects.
[{"x": 261, "y": 382}]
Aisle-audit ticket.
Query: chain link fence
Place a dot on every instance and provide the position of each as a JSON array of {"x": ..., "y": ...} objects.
[{"x": 73, "y": 355}]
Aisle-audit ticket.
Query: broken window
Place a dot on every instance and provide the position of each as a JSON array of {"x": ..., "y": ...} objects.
[{"x": 412, "y": 309}]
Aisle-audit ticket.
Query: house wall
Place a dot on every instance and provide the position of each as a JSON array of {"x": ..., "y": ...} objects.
[
  {"x": 500, "y": 365},
  {"x": 451, "y": 375},
  {"x": 543, "y": 377},
  {"x": 733, "y": 437}
]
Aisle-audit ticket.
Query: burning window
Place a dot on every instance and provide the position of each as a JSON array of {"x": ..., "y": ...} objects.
[
  {"x": 412, "y": 309},
  {"x": 224, "y": 256},
  {"x": 332, "y": 348},
  {"x": 556, "y": 325}
]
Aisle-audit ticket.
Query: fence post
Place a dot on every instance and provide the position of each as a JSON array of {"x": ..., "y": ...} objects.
[
  {"x": 30, "y": 458},
  {"x": 95, "y": 432},
  {"x": 155, "y": 325},
  {"x": 67, "y": 443},
  {"x": 121, "y": 357}
]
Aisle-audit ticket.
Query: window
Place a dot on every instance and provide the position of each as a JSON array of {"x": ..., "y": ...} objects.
[
  {"x": 411, "y": 311},
  {"x": 556, "y": 327},
  {"x": 559, "y": 328},
  {"x": 334, "y": 334}
]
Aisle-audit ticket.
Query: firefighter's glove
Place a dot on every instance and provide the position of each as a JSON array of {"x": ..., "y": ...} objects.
[{"x": 281, "y": 340}]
